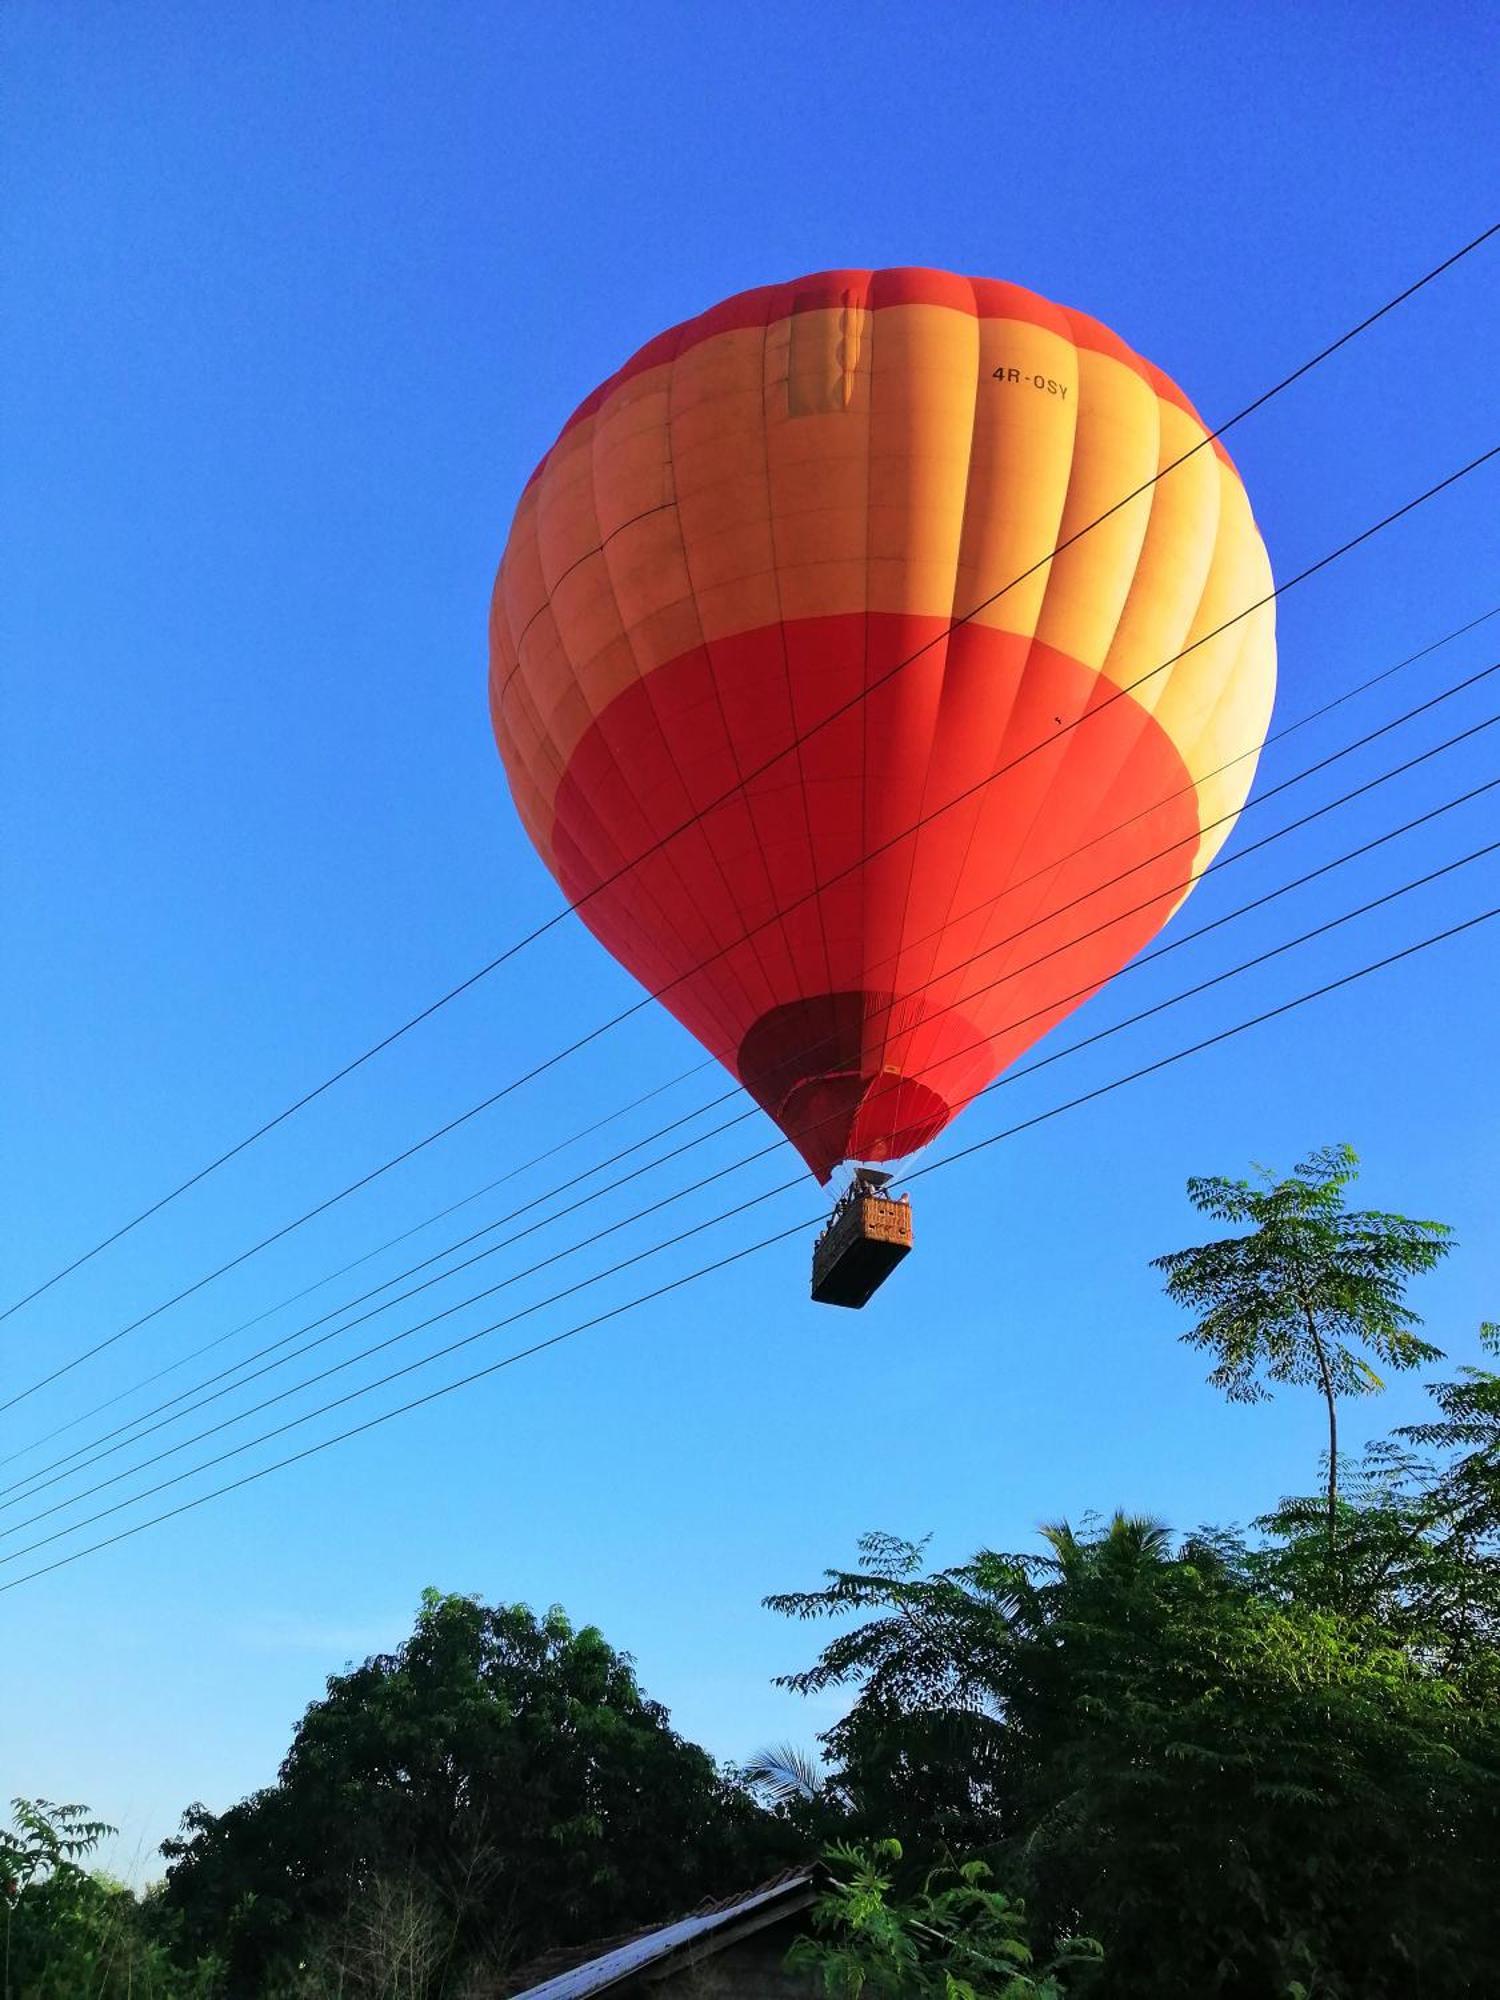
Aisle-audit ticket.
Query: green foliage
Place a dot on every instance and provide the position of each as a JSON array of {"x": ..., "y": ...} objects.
[
  {"x": 1260, "y": 1767},
  {"x": 46, "y": 1839},
  {"x": 503, "y": 1773},
  {"x": 1310, "y": 1292},
  {"x": 1419, "y": 1540},
  {"x": 1233, "y": 1789},
  {"x": 789, "y": 1778},
  {"x": 69, "y": 1933},
  {"x": 961, "y": 1941}
]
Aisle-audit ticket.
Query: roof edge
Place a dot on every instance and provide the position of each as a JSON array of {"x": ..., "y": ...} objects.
[{"x": 680, "y": 1942}]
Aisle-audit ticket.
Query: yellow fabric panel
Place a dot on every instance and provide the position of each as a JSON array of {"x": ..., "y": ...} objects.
[
  {"x": 1237, "y": 726},
  {"x": 545, "y": 672},
  {"x": 520, "y": 587},
  {"x": 718, "y": 454},
  {"x": 923, "y": 391},
  {"x": 841, "y": 460},
  {"x": 823, "y": 358},
  {"x": 1182, "y": 534},
  {"x": 644, "y": 553},
  {"x": 819, "y": 469},
  {"x": 563, "y": 518},
  {"x": 1117, "y": 448},
  {"x": 630, "y": 469},
  {"x": 1018, "y": 473},
  {"x": 582, "y": 620},
  {"x": 1195, "y": 684},
  {"x": 648, "y": 573}
]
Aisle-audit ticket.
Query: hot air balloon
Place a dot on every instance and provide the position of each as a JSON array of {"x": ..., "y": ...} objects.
[{"x": 820, "y": 737}]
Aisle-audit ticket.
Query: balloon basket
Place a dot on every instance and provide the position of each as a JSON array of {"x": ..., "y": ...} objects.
[{"x": 867, "y": 1235}]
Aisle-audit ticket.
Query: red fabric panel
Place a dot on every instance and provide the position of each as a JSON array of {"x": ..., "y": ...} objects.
[{"x": 875, "y": 1007}]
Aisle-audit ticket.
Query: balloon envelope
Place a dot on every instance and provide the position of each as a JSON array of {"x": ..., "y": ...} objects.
[{"x": 867, "y": 854}]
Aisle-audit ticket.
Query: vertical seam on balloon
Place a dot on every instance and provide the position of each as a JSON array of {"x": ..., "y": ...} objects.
[
  {"x": 1134, "y": 711},
  {"x": 1223, "y": 530},
  {"x": 752, "y": 935},
  {"x": 590, "y": 835},
  {"x": 1223, "y": 533},
  {"x": 864, "y": 725},
  {"x": 1029, "y": 638},
  {"x": 543, "y": 735},
  {"x": 1174, "y": 644},
  {"x": 516, "y": 689},
  {"x": 543, "y": 724},
  {"x": 983, "y": 802},
  {"x": 899, "y": 983},
  {"x": 524, "y": 703},
  {"x": 587, "y": 834},
  {"x": 786, "y": 659},
  {"x": 631, "y": 877},
  {"x": 1248, "y": 639},
  {"x": 595, "y": 549},
  {"x": 1043, "y": 880}
]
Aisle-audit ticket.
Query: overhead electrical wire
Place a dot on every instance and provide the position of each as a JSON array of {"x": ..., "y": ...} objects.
[
  {"x": 733, "y": 1093},
  {"x": 365, "y": 1256},
  {"x": 1192, "y": 992},
  {"x": 737, "y": 1256},
  {"x": 1275, "y": 736},
  {"x": 989, "y": 951},
  {"x": 551, "y": 923},
  {"x": 168, "y": 1412},
  {"x": 594, "y": 1034}
]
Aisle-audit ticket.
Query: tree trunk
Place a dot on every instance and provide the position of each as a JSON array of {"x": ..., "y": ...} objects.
[{"x": 1333, "y": 1431}]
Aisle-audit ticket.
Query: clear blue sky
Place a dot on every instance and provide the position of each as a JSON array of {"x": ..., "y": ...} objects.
[{"x": 303, "y": 294}]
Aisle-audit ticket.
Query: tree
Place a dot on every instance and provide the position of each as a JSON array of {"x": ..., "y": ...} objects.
[
  {"x": 921, "y": 1747},
  {"x": 44, "y": 1840},
  {"x": 69, "y": 1931},
  {"x": 500, "y": 1781},
  {"x": 1310, "y": 1287},
  {"x": 1419, "y": 1530},
  {"x": 1236, "y": 1792},
  {"x": 961, "y": 1941}
]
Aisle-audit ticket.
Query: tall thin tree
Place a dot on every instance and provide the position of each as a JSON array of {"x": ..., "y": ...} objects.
[{"x": 1309, "y": 1293}]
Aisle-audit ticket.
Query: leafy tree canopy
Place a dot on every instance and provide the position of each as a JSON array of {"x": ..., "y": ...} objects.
[
  {"x": 1237, "y": 1792},
  {"x": 1258, "y": 1766},
  {"x": 1309, "y": 1292},
  {"x": 954, "y": 1937},
  {"x": 507, "y": 1764},
  {"x": 66, "y": 1932}
]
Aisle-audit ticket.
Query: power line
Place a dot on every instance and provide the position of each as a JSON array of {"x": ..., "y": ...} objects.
[
  {"x": 142, "y": 1425},
  {"x": 37, "y": 1480},
  {"x": 91, "y": 1456},
  {"x": 183, "y": 1444},
  {"x": 390, "y": 1243},
  {"x": 1243, "y": 853},
  {"x": 594, "y": 1034},
  {"x": 738, "y": 1256},
  {"x": 167, "y": 1413},
  {"x": 551, "y": 923},
  {"x": 1275, "y": 736}
]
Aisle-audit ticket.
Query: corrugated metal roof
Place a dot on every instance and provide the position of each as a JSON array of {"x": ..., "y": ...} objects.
[{"x": 637, "y": 1953}]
